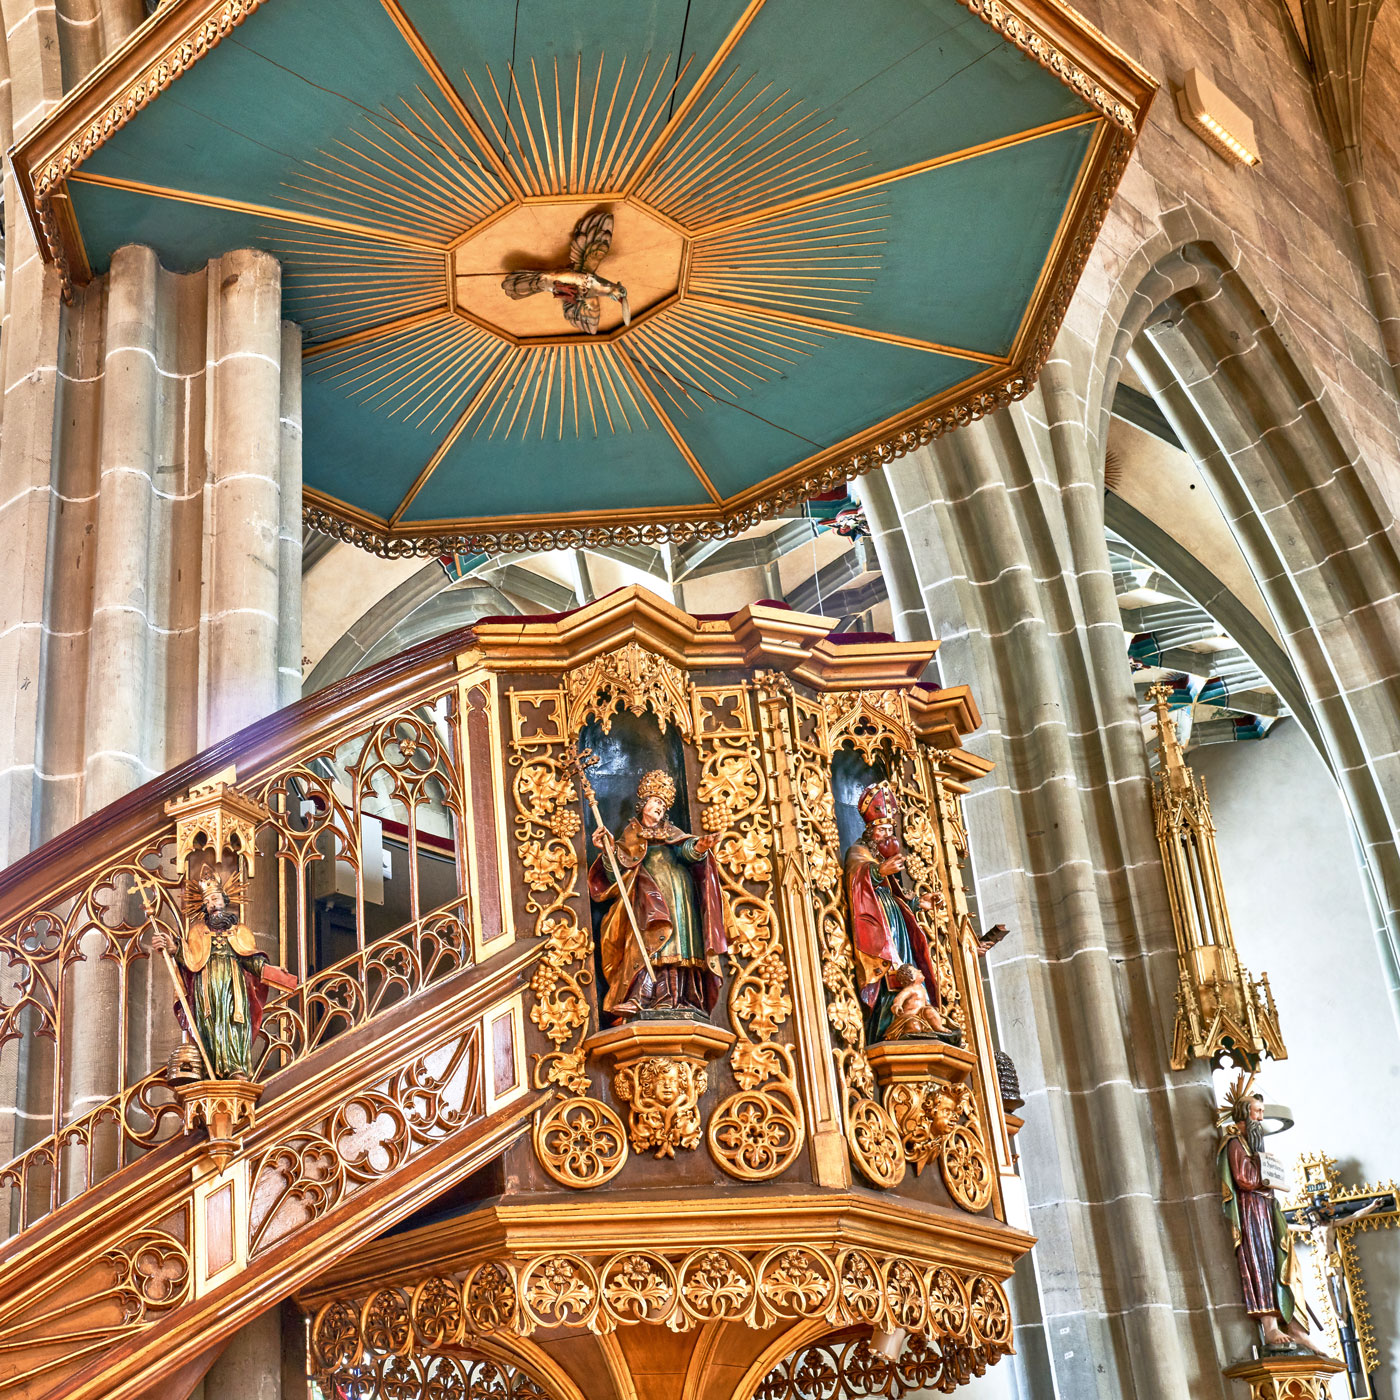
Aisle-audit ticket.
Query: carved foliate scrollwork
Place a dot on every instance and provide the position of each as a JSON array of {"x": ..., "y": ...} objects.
[
  {"x": 685, "y": 1289},
  {"x": 756, "y": 1133},
  {"x": 578, "y": 1140},
  {"x": 630, "y": 678}
]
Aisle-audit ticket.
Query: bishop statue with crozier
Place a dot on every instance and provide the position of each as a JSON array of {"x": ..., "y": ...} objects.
[
  {"x": 225, "y": 977},
  {"x": 668, "y": 878},
  {"x": 899, "y": 986}
]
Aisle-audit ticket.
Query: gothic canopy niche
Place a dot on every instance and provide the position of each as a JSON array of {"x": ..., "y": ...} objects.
[{"x": 842, "y": 229}]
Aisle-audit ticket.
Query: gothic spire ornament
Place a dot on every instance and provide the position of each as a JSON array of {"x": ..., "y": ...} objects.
[{"x": 1222, "y": 1014}]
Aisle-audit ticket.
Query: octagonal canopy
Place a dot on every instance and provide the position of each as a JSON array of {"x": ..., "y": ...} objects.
[{"x": 842, "y": 229}]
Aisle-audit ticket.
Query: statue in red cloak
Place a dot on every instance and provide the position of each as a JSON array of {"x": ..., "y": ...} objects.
[
  {"x": 670, "y": 879},
  {"x": 1270, "y": 1274},
  {"x": 894, "y": 964}
]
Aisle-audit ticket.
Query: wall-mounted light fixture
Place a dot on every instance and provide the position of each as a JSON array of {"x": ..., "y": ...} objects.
[{"x": 1215, "y": 119}]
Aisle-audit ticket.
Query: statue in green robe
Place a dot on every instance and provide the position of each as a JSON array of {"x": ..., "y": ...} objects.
[
  {"x": 225, "y": 979},
  {"x": 670, "y": 881}
]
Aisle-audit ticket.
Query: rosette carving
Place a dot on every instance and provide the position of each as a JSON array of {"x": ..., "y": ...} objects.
[
  {"x": 386, "y": 1321},
  {"x": 797, "y": 1282},
  {"x": 638, "y": 1287},
  {"x": 715, "y": 1283},
  {"x": 560, "y": 1290},
  {"x": 336, "y": 1340},
  {"x": 438, "y": 1312},
  {"x": 990, "y": 1313},
  {"x": 580, "y": 1142},
  {"x": 489, "y": 1300},
  {"x": 757, "y": 1132},
  {"x": 963, "y": 1160}
]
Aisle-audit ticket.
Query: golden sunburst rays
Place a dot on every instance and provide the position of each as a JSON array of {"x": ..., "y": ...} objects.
[
  {"x": 334, "y": 284},
  {"x": 559, "y": 391},
  {"x": 422, "y": 373},
  {"x": 443, "y": 366},
  {"x": 694, "y": 354},
  {"x": 414, "y": 170},
  {"x": 574, "y": 127},
  {"x": 435, "y": 170},
  {"x": 826, "y": 258},
  {"x": 749, "y": 146}
]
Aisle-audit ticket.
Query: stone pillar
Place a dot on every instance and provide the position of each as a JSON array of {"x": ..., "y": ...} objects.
[
  {"x": 910, "y": 619},
  {"x": 290, "y": 536},
  {"x": 152, "y": 588},
  {"x": 120, "y": 624},
  {"x": 243, "y": 529},
  {"x": 998, "y": 531},
  {"x": 88, "y": 30},
  {"x": 250, "y": 1367}
]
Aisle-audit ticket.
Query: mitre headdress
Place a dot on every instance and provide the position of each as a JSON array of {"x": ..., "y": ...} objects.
[
  {"x": 657, "y": 783},
  {"x": 876, "y": 804},
  {"x": 201, "y": 880}
]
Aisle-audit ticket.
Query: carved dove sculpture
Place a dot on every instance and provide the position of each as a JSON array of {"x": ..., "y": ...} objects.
[{"x": 579, "y": 285}]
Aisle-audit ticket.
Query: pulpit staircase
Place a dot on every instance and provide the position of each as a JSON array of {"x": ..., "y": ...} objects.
[{"x": 134, "y": 1248}]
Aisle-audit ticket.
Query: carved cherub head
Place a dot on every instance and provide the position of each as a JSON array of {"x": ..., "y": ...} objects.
[{"x": 661, "y": 1081}]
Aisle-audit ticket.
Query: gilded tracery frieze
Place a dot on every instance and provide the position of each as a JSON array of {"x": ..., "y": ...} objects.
[{"x": 680, "y": 1289}]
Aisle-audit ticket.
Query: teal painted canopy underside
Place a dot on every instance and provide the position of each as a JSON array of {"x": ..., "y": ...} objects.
[{"x": 823, "y": 298}]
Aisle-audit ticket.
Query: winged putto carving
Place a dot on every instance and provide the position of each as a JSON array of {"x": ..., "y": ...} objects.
[{"x": 578, "y": 286}]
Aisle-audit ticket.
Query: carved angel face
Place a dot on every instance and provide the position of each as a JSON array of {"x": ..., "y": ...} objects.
[{"x": 665, "y": 1082}]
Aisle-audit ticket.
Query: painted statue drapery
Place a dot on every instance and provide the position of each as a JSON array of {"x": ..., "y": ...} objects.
[
  {"x": 222, "y": 970},
  {"x": 890, "y": 945},
  {"x": 669, "y": 877}
]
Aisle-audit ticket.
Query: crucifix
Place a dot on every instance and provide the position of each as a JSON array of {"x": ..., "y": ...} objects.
[{"x": 1328, "y": 1216}]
